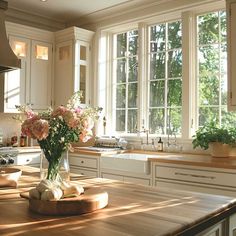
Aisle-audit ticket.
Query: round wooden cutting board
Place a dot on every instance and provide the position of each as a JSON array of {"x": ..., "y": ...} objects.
[{"x": 93, "y": 199}]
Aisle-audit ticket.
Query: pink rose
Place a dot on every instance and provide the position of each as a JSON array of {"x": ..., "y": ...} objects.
[
  {"x": 26, "y": 127},
  {"x": 40, "y": 129},
  {"x": 59, "y": 111},
  {"x": 70, "y": 119}
]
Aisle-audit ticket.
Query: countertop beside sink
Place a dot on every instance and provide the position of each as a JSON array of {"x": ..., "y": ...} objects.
[
  {"x": 174, "y": 158},
  {"x": 164, "y": 157}
]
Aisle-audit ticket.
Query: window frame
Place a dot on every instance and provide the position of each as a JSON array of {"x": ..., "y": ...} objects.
[{"x": 188, "y": 18}]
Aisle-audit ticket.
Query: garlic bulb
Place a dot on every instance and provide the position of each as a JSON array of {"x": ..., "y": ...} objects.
[
  {"x": 44, "y": 185},
  {"x": 73, "y": 189},
  {"x": 52, "y": 194},
  {"x": 34, "y": 193}
]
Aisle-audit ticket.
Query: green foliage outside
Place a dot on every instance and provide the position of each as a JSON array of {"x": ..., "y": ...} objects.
[{"x": 165, "y": 76}]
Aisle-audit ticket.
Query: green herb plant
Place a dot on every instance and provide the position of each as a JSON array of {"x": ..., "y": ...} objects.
[{"x": 211, "y": 133}]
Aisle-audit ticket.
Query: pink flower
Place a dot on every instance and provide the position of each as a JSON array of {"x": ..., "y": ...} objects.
[
  {"x": 26, "y": 127},
  {"x": 30, "y": 114},
  {"x": 70, "y": 119},
  {"x": 40, "y": 129},
  {"x": 79, "y": 110},
  {"x": 59, "y": 111}
]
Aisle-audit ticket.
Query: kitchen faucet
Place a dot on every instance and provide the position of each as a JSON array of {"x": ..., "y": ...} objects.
[{"x": 146, "y": 131}]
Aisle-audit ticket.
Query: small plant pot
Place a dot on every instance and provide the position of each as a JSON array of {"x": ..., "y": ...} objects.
[{"x": 219, "y": 149}]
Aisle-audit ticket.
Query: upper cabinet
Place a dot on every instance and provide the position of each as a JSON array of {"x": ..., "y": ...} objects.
[
  {"x": 72, "y": 62},
  {"x": 231, "y": 32},
  {"x": 32, "y": 84}
]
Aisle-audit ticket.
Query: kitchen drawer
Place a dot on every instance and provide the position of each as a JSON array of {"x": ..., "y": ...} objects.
[
  {"x": 84, "y": 172},
  {"x": 28, "y": 159},
  {"x": 87, "y": 162},
  {"x": 196, "y": 175}
]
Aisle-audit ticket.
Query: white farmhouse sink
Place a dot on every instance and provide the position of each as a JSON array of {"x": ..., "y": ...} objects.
[{"x": 133, "y": 163}]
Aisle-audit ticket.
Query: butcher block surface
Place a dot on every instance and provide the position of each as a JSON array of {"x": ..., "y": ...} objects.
[
  {"x": 94, "y": 198},
  {"x": 132, "y": 210}
]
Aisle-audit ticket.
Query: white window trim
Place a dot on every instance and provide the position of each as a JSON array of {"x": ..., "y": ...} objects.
[{"x": 189, "y": 105}]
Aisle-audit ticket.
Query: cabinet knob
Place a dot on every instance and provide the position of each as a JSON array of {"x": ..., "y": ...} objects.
[{"x": 82, "y": 162}]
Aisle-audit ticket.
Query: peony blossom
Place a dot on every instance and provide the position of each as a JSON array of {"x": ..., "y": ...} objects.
[{"x": 40, "y": 129}]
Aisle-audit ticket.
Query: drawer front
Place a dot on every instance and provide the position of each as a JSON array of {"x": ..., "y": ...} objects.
[
  {"x": 87, "y": 162},
  {"x": 197, "y": 176},
  {"x": 84, "y": 172},
  {"x": 137, "y": 180},
  {"x": 28, "y": 159}
]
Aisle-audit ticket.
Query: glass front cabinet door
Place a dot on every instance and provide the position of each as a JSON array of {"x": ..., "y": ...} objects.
[{"x": 82, "y": 70}]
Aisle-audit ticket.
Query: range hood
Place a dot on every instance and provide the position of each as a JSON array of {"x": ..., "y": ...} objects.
[{"x": 8, "y": 59}]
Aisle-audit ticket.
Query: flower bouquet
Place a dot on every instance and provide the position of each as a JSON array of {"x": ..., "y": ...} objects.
[{"x": 55, "y": 129}]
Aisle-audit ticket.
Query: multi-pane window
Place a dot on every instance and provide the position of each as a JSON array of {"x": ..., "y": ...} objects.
[
  {"x": 126, "y": 81},
  {"x": 212, "y": 69},
  {"x": 165, "y": 78}
]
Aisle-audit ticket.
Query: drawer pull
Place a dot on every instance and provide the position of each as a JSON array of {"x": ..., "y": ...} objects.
[
  {"x": 196, "y": 176},
  {"x": 82, "y": 162}
]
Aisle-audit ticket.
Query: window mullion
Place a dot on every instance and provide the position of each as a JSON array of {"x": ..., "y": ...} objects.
[
  {"x": 127, "y": 83},
  {"x": 167, "y": 111}
]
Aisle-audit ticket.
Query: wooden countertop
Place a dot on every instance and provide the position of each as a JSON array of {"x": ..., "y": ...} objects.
[
  {"x": 162, "y": 157},
  {"x": 195, "y": 160},
  {"x": 132, "y": 210}
]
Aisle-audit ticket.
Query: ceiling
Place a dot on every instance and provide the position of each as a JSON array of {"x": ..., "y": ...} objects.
[{"x": 63, "y": 10}]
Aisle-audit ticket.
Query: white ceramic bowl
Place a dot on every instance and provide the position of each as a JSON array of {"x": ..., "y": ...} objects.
[{"x": 9, "y": 176}]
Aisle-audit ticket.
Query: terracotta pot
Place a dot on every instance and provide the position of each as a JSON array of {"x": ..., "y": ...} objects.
[{"x": 219, "y": 149}]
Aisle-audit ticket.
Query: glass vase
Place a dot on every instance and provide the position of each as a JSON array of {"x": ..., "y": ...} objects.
[{"x": 55, "y": 170}]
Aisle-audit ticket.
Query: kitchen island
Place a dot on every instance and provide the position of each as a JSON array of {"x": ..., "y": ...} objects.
[{"x": 132, "y": 210}]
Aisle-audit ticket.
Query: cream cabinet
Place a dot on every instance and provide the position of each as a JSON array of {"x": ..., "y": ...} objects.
[
  {"x": 72, "y": 64},
  {"x": 231, "y": 36},
  {"x": 85, "y": 165},
  {"x": 125, "y": 178},
  {"x": 32, "y": 84},
  {"x": 195, "y": 178},
  {"x": 28, "y": 158},
  {"x": 220, "y": 229},
  {"x": 232, "y": 225}
]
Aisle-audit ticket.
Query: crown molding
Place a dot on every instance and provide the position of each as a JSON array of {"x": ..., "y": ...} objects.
[
  {"x": 128, "y": 13},
  {"x": 29, "y": 32},
  {"x": 30, "y": 19}
]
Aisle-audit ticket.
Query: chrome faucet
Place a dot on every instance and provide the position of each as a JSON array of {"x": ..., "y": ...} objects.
[{"x": 146, "y": 131}]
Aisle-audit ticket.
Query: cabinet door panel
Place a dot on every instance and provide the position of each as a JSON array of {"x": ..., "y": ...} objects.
[
  {"x": 40, "y": 86},
  {"x": 63, "y": 73},
  {"x": 84, "y": 172},
  {"x": 17, "y": 81}
]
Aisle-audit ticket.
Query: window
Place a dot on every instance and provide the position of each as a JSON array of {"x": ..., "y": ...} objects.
[
  {"x": 165, "y": 78},
  {"x": 125, "y": 69},
  {"x": 153, "y": 99},
  {"x": 212, "y": 69}
]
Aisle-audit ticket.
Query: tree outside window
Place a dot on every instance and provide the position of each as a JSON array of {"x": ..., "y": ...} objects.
[
  {"x": 165, "y": 78},
  {"x": 126, "y": 81},
  {"x": 212, "y": 70}
]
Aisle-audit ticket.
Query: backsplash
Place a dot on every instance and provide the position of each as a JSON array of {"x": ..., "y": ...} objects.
[{"x": 9, "y": 127}]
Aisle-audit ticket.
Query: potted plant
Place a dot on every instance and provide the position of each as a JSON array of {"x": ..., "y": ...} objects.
[{"x": 218, "y": 139}]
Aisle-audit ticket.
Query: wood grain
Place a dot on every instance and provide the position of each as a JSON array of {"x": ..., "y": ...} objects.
[
  {"x": 93, "y": 199},
  {"x": 132, "y": 210}
]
